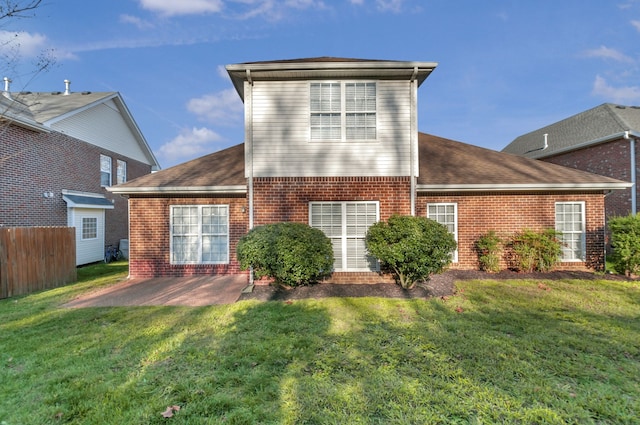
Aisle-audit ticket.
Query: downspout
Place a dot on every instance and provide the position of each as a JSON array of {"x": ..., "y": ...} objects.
[
  {"x": 413, "y": 85},
  {"x": 632, "y": 149},
  {"x": 248, "y": 146}
]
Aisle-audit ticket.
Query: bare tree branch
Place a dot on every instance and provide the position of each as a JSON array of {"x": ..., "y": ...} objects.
[{"x": 18, "y": 8}]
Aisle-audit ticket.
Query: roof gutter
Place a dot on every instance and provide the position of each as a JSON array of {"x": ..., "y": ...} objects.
[
  {"x": 168, "y": 190},
  {"x": 619, "y": 135},
  {"x": 521, "y": 187}
]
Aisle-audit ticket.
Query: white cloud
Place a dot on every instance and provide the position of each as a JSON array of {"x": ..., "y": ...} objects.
[
  {"x": 623, "y": 95},
  {"x": 134, "y": 20},
  {"x": 389, "y": 5},
  {"x": 604, "y": 52},
  {"x": 357, "y": 2},
  {"x": 224, "y": 107},
  {"x": 29, "y": 45},
  {"x": 636, "y": 24},
  {"x": 189, "y": 144},
  {"x": 182, "y": 7}
]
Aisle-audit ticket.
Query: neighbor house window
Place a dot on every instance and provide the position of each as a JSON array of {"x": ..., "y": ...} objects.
[
  {"x": 346, "y": 225},
  {"x": 121, "y": 172},
  {"x": 89, "y": 228},
  {"x": 105, "y": 170},
  {"x": 199, "y": 234},
  {"x": 447, "y": 214},
  {"x": 343, "y": 111},
  {"x": 570, "y": 222}
]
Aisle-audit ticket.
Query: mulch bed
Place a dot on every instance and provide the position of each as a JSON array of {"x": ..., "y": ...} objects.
[{"x": 440, "y": 285}]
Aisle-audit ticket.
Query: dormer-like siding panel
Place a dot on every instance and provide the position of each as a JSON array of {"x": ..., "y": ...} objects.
[
  {"x": 103, "y": 126},
  {"x": 281, "y": 136}
]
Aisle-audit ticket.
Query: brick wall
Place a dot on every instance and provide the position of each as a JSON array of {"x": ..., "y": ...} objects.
[
  {"x": 510, "y": 212},
  {"x": 611, "y": 159},
  {"x": 149, "y": 244},
  {"x": 32, "y": 163}
]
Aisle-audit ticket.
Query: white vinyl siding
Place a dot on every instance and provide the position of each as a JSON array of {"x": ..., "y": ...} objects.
[
  {"x": 446, "y": 214},
  {"x": 199, "y": 234},
  {"x": 570, "y": 221},
  {"x": 346, "y": 225},
  {"x": 279, "y": 142},
  {"x": 89, "y": 238},
  {"x": 105, "y": 171}
]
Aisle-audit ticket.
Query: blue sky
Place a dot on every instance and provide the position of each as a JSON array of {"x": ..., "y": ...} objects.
[{"x": 506, "y": 67}]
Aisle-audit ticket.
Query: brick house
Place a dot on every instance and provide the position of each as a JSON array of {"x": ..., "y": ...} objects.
[
  {"x": 601, "y": 140},
  {"x": 334, "y": 143},
  {"x": 59, "y": 153}
]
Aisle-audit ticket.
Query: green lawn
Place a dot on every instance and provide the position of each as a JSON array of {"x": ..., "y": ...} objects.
[{"x": 521, "y": 351}]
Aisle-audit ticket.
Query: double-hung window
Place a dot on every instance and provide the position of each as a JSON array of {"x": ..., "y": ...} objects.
[
  {"x": 346, "y": 224},
  {"x": 446, "y": 214},
  {"x": 105, "y": 170},
  {"x": 121, "y": 172},
  {"x": 343, "y": 111},
  {"x": 199, "y": 234},
  {"x": 570, "y": 222}
]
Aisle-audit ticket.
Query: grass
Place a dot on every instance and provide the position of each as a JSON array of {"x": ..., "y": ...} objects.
[{"x": 521, "y": 351}]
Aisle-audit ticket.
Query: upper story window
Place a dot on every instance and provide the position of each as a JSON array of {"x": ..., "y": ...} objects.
[
  {"x": 105, "y": 170},
  {"x": 343, "y": 111},
  {"x": 121, "y": 172}
]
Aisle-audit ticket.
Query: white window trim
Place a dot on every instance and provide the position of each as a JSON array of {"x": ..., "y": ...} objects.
[
  {"x": 82, "y": 229},
  {"x": 343, "y": 236},
  {"x": 104, "y": 171},
  {"x": 455, "y": 223},
  {"x": 343, "y": 113},
  {"x": 199, "y": 242},
  {"x": 583, "y": 232}
]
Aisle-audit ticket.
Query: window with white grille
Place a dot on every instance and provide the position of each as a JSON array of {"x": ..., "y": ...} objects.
[
  {"x": 570, "y": 222},
  {"x": 89, "y": 228},
  {"x": 121, "y": 172},
  {"x": 105, "y": 170},
  {"x": 199, "y": 234},
  {"x": 446, "y": 214},
  {"x": 346, "y": 224},
  {"x": 343, "y": 111}
]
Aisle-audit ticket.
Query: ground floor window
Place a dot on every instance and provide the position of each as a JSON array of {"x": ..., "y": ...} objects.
[
  {"x": 89, "y": 227},
  {"x": 570, "y": 222},
  {"x": 446, "y": 214},
  {"x": 199, "y": 234},
  {"x": 346, "y": 224}
]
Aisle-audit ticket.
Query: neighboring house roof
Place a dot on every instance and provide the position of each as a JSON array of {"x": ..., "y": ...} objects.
[
  {"x": 323, "y": 67},
  {"x": 221, "y": 171},
  {"x": 597, "y": 125},
  {"x": 445, "y": 165},
  {"x": 58, "y": 111}
]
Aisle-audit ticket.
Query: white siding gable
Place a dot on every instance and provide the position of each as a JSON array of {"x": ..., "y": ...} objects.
[
  {"x": 103, "y": 125},
  {"x": 278, "y": 114}
]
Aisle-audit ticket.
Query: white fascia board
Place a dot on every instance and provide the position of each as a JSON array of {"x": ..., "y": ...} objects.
[
  {"x": 288, "y": 66},
  {"x": 609, "y": 138},
  {"x": 520, "y": 187},
  {"x": 238, "y": 189}
]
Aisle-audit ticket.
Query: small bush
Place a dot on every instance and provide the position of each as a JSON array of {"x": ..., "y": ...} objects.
[
  {"x": 625, "y": 240},
  {"x": 290, "y": 253},
  {"x": 489, "y": 247},
  {"x": 411, "y": 248},
  {"x": 536, "y": 250}
]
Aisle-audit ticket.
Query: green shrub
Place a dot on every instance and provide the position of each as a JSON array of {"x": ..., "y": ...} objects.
[
  {"x": 489, "y": 247},
  {"x": 290, "y": 253},
  {"x": 411, "y": 248},
  {"x": 625, "y": 241},
  {"x": 536, "y": 250}
]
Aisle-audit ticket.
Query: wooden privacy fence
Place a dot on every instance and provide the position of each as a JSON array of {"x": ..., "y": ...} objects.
[{"x": 36, "y": 258}]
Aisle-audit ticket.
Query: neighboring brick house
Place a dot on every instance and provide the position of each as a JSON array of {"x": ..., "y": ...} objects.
[
  {"x": 59, "y": 153},
  {"x": 334, "y": 143},
  {"x": 601, "y": 140}
]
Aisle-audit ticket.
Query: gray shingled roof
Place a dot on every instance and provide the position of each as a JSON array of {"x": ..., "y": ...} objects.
[
  {"x": 49, "y": 105},
  {"x": 444, "y": 165},
  {"x": 597, "y": 125}
]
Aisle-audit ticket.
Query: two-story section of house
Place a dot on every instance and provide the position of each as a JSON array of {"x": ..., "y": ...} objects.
[
  {"x": 334, "y": 143},
  {"x": 59, "y": 153}
]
